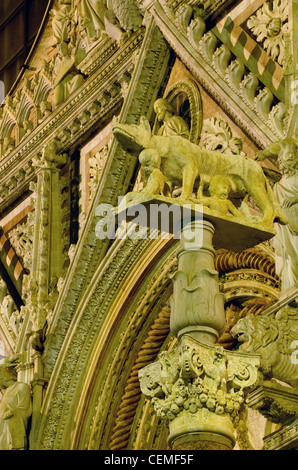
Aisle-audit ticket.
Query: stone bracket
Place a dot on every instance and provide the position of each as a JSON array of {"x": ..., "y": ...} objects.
[{"x": 274, "y": 401}]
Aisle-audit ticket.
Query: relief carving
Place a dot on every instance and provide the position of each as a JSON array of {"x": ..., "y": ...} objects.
[
  {"x": 286, "y": 192},
  {"x": 270, "y": 26},
  {"x": 198, "y": 386},
  {"x": 122, "y": 18},
  {"x": 217, "y": 135},
  {"x": 178, "y": 162},
  {"x": 15, "y": 408},
  {"x": 272, "y": 338}
]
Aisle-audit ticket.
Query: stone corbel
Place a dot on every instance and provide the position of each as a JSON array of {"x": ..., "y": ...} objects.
[{"x": 276, "y": 402}]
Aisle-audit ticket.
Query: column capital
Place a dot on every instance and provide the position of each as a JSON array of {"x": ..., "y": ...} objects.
[{"x": 51, "y": 156}]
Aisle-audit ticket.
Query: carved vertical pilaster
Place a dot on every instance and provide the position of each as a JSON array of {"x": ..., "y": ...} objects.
[
  {"x": 38, "y": 385},
  {"x": 48, "y": 242}
]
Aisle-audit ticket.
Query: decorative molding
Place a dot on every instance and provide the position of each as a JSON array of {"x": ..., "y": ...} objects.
[
  {"x": 74, "y": 118},
  {"x": 96, "y": 165},
  {"x": 285, "y": 438},
  {"x": 145, "y": 83},
  {"x": 151, "y": 346},
  {"x": 56, "y": 404},
  {"x": 231, "y": 33},
  {"x": 129, "y": 402},
  {"x": 221, "y": 74},
  {"x": 115, "y": 179},
  {"x": 274, "y": 401}
]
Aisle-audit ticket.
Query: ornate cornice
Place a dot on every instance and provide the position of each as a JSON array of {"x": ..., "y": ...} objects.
[
  {"x": 208, "y": 60},
  {"x": 77, "y": 116}
]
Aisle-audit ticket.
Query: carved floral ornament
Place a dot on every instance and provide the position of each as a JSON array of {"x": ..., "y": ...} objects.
[
  {"x": 270, "y": 25},
  {"x": 195, "y": 381}
]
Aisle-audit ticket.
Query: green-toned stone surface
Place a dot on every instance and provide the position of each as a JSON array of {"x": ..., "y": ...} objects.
[{"x": 183, "y": 163}]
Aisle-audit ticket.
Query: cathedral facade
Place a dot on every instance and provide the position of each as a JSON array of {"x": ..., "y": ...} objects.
[{"x": 116, "y": 334}]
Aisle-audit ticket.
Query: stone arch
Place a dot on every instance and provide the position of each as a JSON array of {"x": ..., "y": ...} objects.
[
  {"x": 103, "y": 331},
  {"x": 111, "y": 339}
]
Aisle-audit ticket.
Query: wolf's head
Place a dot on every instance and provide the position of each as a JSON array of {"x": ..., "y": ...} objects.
[{"x": 132, "y": 137}]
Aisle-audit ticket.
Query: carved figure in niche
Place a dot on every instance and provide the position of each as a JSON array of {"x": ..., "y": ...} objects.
[
  {"x": 219, "y": 189},
  {"x": 122, "y": 17},
  {"x": 272, "y": 338},
  {"x": 67, "y": 79},
  {"x": 172, "y": 124},
  {"x": 15, "y": 408},
  {"x": 285, "y": 242},
  {"x": 183, "y": 163},
  {"x": 61, "y": 21},
  {"x": 91, "y": 18}
]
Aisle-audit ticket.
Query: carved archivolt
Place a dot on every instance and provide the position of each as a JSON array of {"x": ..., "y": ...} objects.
[
  {"x": 128, "y": 300},
  {"x": 155, "y": 340}
]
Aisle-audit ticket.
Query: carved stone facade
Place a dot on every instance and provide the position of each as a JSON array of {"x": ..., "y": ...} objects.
[{"x": 131, "y": 342}]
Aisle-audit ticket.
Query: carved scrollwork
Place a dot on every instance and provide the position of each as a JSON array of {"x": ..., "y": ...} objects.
[{"x": 199, "y": 377}]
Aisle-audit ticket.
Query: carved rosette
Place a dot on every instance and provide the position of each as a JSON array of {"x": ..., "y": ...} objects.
[
  {"x": 200, "y": 389},
  {"x": 49, "y": 242},
  {"x": 270, "y": 26}
]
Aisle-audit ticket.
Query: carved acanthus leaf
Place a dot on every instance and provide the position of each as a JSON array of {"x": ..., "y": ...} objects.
[
  {"x": 217, "y": 135},
  {"x": 270, "y": 25}
]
